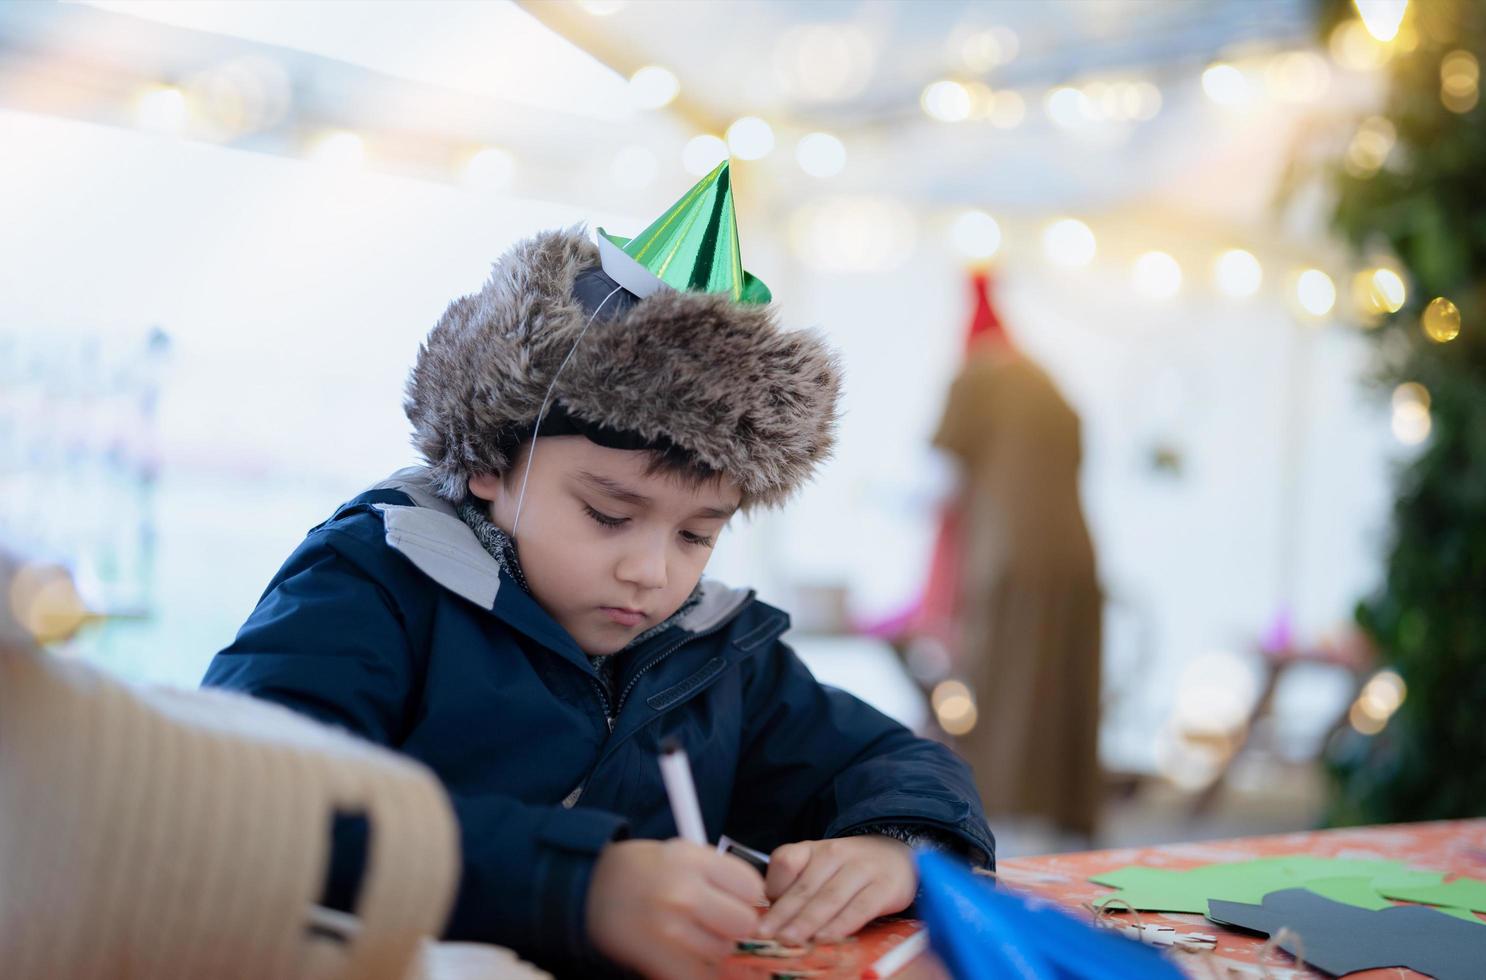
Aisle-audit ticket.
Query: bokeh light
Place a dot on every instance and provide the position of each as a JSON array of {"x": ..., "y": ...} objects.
[
  {"x": 1238, "y": 273},
  {"x": 948, "y": 689},
  {"x": 1364, "y": 723},
  {"x": 1370, "y": 146},
  {"x": 339, "y": 150},
  {"x": 1381, "y": 17},
  {"x": 602, "y": 8},
  {"x": 161, "y": 109},
  {"x": 1356, "y": 49},
  {"x": 1376, "y": 293},
  {"x": 242, "y": 95},
  {"x": 1316, "y": 292},
  {"x": 976, "y": 234},
  {"x": 750, "y": 138},
  {"x": 491, "y": 169},
  {"x": 946, "y": 101},
  {"x": 1226, "y": 85},
  {"x": 1388, "y": 288},
  {"x": 957, "y": 716},
  {"x": 1384, "y": 693},
  {"x": 980, "y": 51},
  {"x": 1147, "y": 100},
  {"x": 1105, "y": 101},
  {"x": 1069, "y": 243},
  {"x": 1380, "y": 698},
  {"x": 653, "y": 87},
  {"x": 45, "y": 602},
  {"x": 820, "y": 154},
  {"x": 1410, "y": 393},
  {"x": 1069, "y": 107},
  {"x": 982, "y": 100},
  {"x": 1441, "y": 320},
  {"x": 1460, "y": 80},
  {"x": 702, "y": 153},
  {"x": 1411, "y": 422},
  {"x": 1157, "y": 275},
  {"x": 954, "y": 707}
]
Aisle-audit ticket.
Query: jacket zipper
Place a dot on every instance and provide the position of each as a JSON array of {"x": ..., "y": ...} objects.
[
  {"x": 571, "y": 800},
  {"x": 573, "y": 797},
  {"x": 604, "y": 701},
  {"x": 624, "y": 695},
  {"x": 611, "y": 716}
]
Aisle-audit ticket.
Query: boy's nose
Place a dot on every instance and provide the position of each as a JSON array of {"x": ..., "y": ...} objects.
[{"x": 644, "y": 568}]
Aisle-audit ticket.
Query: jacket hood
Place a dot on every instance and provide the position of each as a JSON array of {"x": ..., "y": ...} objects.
[{"x": 429, "y": 533}]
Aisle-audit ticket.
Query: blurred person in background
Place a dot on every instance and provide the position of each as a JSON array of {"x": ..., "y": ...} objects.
[{"x": 1028, "y": 594}]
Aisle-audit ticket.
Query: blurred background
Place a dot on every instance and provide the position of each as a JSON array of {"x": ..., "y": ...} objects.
[{"x": 1241, "y": 242}]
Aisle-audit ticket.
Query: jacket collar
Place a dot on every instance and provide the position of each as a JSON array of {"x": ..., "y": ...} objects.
[{"x": 429, "y": 533}]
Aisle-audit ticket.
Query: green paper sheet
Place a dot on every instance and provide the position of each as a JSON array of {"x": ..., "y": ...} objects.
[
  {"x": 1367, "y": 893},
  {"x": 1188, "y": 890},
  {"x": 1462, "y": 893},
  {"x": 1350, "y": 891}
]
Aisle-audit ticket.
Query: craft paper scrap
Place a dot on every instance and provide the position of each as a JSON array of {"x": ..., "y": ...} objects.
[
  {"x": 1464, "y": 893},
  {"x": 1189, "y": 889},
  {"x": 1340, "y": 938}
]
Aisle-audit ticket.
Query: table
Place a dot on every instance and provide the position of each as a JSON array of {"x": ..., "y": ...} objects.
[
  {"x": 842, "y": 961},
  {"x": 1455, "y": 846}
]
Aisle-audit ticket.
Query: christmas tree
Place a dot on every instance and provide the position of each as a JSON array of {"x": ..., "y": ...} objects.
[{"x": 1413, "y": 186}]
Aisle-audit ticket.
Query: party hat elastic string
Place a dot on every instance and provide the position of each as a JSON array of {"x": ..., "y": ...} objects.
[{"x": 531, "y": 453}]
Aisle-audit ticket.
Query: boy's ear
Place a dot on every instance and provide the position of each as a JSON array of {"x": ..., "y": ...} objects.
[{"x": 486, "y": 486}]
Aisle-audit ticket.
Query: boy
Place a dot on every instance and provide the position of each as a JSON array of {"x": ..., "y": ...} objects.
[{"x": 526, "y": 615}]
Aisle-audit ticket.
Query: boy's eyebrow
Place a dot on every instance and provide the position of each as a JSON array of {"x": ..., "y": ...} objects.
[
  {"x": 611, "y": 488},
  {"x": 618, "y": 491}
]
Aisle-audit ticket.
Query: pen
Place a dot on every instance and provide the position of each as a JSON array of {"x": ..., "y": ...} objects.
[
  {"x": 898, "y": 957},
  {"x": 676, "y": 772}
]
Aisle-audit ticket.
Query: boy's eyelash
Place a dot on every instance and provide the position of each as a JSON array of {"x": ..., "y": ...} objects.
[
  {"x": 608, "y": 520},
  {"x": 604, "y": 519}
]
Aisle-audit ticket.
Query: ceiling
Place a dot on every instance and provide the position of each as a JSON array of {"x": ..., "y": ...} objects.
[{"x": 547, "y": 80}]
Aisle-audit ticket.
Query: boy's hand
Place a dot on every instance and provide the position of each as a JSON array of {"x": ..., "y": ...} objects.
[
  {"x": 671, "y": 909},
  {"x": 828, "y": 889}
]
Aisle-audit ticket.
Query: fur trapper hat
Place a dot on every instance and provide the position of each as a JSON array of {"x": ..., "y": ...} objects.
[{"x": 713, "y": 377}]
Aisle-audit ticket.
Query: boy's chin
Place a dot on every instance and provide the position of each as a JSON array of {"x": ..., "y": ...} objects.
[{"x": 605, "y": 646}]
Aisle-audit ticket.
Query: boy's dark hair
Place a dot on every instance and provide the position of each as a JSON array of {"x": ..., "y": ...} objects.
[
  {"x": 664, "y": 458},
  {"x": 680, "y": 465}
]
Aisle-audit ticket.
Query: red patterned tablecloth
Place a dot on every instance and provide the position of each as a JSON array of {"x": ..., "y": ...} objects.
[
  {"x": 1455, "y": 847},
  {"x": 842, "y": 960}
]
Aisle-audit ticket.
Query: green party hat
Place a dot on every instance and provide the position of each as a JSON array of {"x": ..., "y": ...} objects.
[{"x": 693, "y": 247}]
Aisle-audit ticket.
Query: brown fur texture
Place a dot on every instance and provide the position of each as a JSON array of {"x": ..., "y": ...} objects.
[{"x": 718, "y": 379}]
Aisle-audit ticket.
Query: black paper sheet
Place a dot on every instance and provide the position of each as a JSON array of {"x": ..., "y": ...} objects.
[{"x": 1341, "y": 938}]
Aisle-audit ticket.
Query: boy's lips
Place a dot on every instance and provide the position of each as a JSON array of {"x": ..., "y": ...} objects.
[{"x": 623, "y": 615}]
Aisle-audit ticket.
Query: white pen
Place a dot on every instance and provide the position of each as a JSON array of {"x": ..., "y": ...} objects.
[
  {"x": 898, "y": 957},
  {"x": 676, "y": 772}
]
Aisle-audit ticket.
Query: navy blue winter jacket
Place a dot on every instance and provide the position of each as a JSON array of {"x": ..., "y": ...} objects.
[{"x": 392, "y": 621}]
